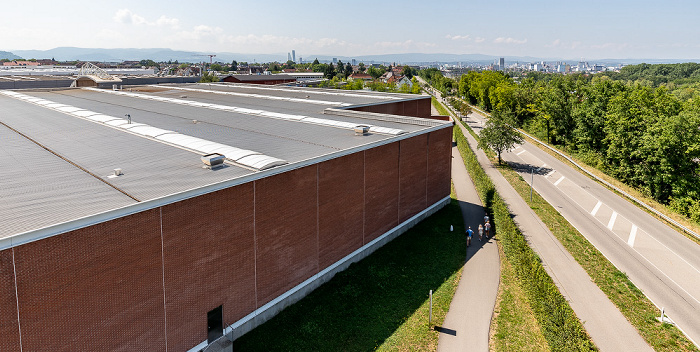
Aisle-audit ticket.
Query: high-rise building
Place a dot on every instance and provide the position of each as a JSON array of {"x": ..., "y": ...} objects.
[
  {"x": 335, "y": 60},
  {"x": 354, "y": 62},
  {"x": 294, "y": 56},
  {"x": 289, "y": 57},
  {"x": 502, "y": 63}
]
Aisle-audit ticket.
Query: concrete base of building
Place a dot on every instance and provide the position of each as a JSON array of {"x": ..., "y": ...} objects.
[{"x": 268, "y": 311}]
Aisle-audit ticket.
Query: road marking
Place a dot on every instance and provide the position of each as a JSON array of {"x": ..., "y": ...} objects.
[
  {"x": 559, "y": 181},
  {"x": 633, "y": 235},
  {"x": 550, "y": 173},
  {"x": 520, "y": 152},
  {"x": 595, "y": 209},
  {"x": 612, "y": 220},
  {"x": 540, "y": 168}
]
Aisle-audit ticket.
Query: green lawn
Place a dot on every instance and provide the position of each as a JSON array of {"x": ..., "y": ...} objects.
[{"x": 379, "y": 303}]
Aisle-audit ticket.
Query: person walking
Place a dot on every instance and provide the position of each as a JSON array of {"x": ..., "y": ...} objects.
[
  {"x": 486, "y": 218},
  {"x": 481, "y": 232},
  {"x": 487, "y": 228},
  {"x": 470, "y": 233}
]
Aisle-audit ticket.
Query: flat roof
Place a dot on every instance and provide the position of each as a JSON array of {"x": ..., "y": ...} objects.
[{"x": 59, "y": 148}]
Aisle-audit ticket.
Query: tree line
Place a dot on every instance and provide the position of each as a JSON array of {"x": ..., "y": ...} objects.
[{"x": 643, "y": 133}]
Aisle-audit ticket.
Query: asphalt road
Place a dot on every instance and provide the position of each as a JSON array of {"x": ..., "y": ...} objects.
[{"x": 661, "y": 262}]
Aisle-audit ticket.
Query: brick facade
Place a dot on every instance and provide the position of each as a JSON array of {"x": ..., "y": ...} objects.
[
  {"x": 9, "y": 329},
  {"x": 98, "y": 288},
  {"x": 133, "y": 282},
  {"x": 197, "y": 283}
]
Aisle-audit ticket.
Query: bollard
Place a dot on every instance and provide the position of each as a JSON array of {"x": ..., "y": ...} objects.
[
  {"x": 430, "y": 315},
  {"x": 451, "y": 228}
]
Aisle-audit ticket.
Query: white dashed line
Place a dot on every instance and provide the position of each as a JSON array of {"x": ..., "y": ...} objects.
[
  {"x": 520, "y": 152},
  {"x": 633, "y": 235},
  {"x": 550, "y": 173},
  {"x": 595, "y": 209},
  {"x": 559, "y": 181},
  {"x": 611, "y": 223}
]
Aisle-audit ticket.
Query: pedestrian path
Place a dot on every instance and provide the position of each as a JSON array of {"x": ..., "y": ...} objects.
[
  {"x": 608, "y": 328},
  {"x": 466, "y": 326}
]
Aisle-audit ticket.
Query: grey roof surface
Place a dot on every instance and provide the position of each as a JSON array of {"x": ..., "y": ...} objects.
[{"x": 39, "y": 188}]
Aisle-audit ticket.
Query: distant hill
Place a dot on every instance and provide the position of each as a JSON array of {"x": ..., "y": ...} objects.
[
  {"x": 164, "y": 54},
  {"x": 8, "y": 55}
]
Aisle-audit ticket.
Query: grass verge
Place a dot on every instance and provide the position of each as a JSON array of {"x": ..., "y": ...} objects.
[
  {"x": 633, "y": 304},
  {"x": 441, "y": 109},
  {"x": 379, "y": 303},
  {"x": 515, "y": 326},
  {"x": 560, "y": 326}
]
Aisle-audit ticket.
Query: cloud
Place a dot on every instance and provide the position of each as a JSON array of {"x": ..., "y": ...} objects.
[
  {"x": 479, "y": 40},
  {"x": 405, "y": 45},
  {"x": 458, "y": 37},
  {"x": 509, "y": 40},
  {"x": 125, "y": 16}
]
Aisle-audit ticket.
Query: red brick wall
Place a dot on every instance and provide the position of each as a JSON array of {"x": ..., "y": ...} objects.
[
  {"x": 286, "y": 223},
  {"x": 98, "y": 288},
  {"x": 341, "y": 207},
  {"x": 439, "y": 164},
  {"x": 413, "y": 165},
  {"x": 208, "y": 262},
  {"x": 101, "y": 287},
  {"x": 381, "y": 190},
  {"x": 9, "y": 329}
]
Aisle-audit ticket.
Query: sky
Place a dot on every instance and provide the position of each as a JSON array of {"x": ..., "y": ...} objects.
[{"x": 591, "y": 29}]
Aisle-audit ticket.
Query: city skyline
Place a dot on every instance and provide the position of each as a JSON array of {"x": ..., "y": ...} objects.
[{"x": 594, "y": 30}]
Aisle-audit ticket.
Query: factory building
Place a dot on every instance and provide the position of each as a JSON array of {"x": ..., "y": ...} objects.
[{"x": 159, "y": 218}]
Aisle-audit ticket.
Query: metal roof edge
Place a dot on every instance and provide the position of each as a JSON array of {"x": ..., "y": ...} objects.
[{"x": 72, "y": 225}]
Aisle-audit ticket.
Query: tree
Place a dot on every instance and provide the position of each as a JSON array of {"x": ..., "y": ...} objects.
[
  {"x": 289, "y": 64},
  {"x": 206, "y": 77},
  {"x": 375, "y": 72},
  {"x": 498, "y": 133},
  {"x": 234, "y": 65},
  {"x": 361, "y": 67},
  {"x": 341, "y": 68},
  {"x": 408, "y": 71},
  {"x": 216, "y": 67},
  {"x": 315, "y": 62},
  {"x": 348, "y": 70},
  {"x": 329, "y": 72}
]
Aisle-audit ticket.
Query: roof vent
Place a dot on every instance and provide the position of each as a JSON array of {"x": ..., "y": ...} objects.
[
  {"x": 118, "y": 172},
  {"x": 361, "y": 130},
  {"x": 213, "y": 161}
]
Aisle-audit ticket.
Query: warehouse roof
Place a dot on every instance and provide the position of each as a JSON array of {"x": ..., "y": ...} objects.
[{"x": 60, "y": 148}]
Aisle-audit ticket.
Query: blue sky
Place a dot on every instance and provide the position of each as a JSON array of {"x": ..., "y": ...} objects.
[{"x": 589, "y": 29}]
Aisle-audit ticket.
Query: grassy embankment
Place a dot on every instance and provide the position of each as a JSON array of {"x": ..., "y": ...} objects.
[
  {"x": 633, "y": 304},
  {"x": 514, "y": 325},
  {"x": 379, "y": 303},
  {"x": 559, "y": 325}
]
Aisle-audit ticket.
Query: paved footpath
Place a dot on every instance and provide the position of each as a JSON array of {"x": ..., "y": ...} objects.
[
  {"x": 608, "y": 328},
  {"x": 466, "y": 326}
]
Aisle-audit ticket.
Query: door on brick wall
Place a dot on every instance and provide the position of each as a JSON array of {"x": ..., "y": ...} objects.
[{"x": 215, "y": 324}]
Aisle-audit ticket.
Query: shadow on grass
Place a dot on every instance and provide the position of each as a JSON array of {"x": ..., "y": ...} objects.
[{"x": 359, "y": 308}]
